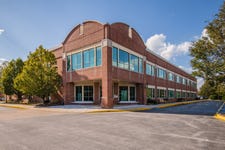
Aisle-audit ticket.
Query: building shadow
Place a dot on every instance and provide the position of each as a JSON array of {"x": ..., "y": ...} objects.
[{"x": 208, "y": 108}]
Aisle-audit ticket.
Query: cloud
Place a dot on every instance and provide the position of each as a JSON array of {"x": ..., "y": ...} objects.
[
  {"x": 200, "y": 82},
  {"x": 158, "y": 44},
  {"x": 2, "y": 60},
  {"x": 187, "y": 69},
  {"x": 1, "y": 31}
]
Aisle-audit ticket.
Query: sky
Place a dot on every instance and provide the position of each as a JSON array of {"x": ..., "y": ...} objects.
[{"x": 168, "y": 27}]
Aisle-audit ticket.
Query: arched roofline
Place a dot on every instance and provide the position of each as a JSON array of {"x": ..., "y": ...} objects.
[
  {"x": 132, "y": 29},
  {"x": 85, "y": 22}
]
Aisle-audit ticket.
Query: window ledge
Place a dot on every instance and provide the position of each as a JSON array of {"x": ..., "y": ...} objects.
[
  {"x": 127, "y": 102},
  {"x": 83, "y": 102}
]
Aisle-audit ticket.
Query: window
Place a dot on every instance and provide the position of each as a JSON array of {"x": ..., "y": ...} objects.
[
  {"x": 123, "y": 59},
  {"x": 184, "y": 81},
  {"x": 88, "y": 56},
  {"x": 178, "y": 94},
  {"x": 132, "y": 93},
  {"x": 170, "y": 76},
  {"x": 150, "y": 93},
  {"x": 98, "y": 56},
  {"x": 68, "y": 68},
  {"x": 178, "y": 79},
  {"x": 183, "y": 94},
  {"x": 133, "y": 63},
  {"x": 115, "y": 56},
  {"x": 76, "y": 61},
  {"x": 123, "y": 93},
  {"x": 171, "y": 93},
  {"x": 88, "y": 93},
  {"x": 150, "y": 70},
  {"x": 78, "y": 93},
  {"x": 161, "y": 73},
  {"x": 140, "y": 65},
  {"x": 161, "y": 93}
]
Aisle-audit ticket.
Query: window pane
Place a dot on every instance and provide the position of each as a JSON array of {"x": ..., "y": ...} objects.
[
  {"x": 150, "y": 93},
  {"x": 88, "y": 93},
  {"x": 123, "y": 93},
  {"x": 88, "y": 56},
  {"x": 123, "y": 59},
  {"x": 78, "y": 93},
  {"x": 150, "y": 70},
  {"x": 171, "y": 76},
  {"x": 76, "y": 61},
  {"x": 133, "y": 63},
  {"x": 132, "y": 93},
  {"x": 98, "y": 56},
  {"x": 68, "y": 63},
  {"x": 115, "y": 56},
  {"x": 161, "y": 73},
  {"x": 171, "y": 93},
  {"x": 140, "y": 65}
]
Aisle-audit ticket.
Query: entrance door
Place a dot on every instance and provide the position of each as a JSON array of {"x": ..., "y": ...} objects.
[{"x": 123, "y": 93}]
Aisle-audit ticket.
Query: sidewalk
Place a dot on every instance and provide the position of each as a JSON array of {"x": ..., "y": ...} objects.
[
  {"x": 221, "y": 113},
  {"x": 97, "y": 108}
]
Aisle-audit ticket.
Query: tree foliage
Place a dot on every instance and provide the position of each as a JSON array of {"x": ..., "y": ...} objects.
[
  {"x": 209, "y": 56},
  {"x": 8, "y": 75},
  {"x": 39, "y": 76}
]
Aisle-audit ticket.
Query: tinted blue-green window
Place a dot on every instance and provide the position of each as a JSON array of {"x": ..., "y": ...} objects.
[
  {"x": 123, "y": 59},
  {"x": 140, "y": 65},
  {"x": 171, "y": 76},
  {"x": 98, "y": 56},
  {"x": 68, "y": 64},
  {"x": 88, "y": 58},
  {"x": 77, "y": 61},
  {"x": 150, "y": 70},
  {"x": 161, "y": 73},
  {"x": 133, "y": 63},
  {"x": 115, "y": 56}
]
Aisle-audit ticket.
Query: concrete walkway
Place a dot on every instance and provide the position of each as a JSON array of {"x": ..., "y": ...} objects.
[{"x": 96, "y": 108}]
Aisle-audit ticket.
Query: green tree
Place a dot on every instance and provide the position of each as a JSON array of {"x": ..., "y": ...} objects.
[
  {"x": 209, "y": 55},
  {"x": 8, "y": 75},
  {"x": 39, "y": 76}
]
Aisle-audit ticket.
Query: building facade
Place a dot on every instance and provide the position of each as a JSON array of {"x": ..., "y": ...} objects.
[{"x": 108, "y": 64}]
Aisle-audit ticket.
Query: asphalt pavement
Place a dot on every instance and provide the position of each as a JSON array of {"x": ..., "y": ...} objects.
[{"x": 186, "y": 127}]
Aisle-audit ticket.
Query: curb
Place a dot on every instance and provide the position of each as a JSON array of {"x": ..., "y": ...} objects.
[
  {"x": 108, "y": 110},
  {"x": 180, "y": 103},
  {"x": 13, "y": 106},
  {"x": 218, "y": 115},
  {"x": 119, "y": 110}
]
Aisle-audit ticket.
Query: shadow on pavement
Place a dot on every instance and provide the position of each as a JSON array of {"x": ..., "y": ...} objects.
[{"x": 208, "y": 108}]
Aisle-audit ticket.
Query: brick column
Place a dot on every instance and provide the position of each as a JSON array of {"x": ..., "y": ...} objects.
[
  {"x": 96, "y": 93},
  {"x": 116, "y": 89},
  {"x": 107, "y": 97}
]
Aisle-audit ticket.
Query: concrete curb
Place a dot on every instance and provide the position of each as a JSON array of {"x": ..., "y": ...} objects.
[
  {"x": 101, "y": 110},
  {"x": 147, "y": 108},
  {"x": 13, "y": 106},
  {"x": 180, "y": 103},
  {"x": 218, "y": 115}
]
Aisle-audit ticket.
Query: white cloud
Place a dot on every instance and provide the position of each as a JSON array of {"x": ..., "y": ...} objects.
[
  {"x": 1, "y": 31},
  {"x": 158, "y": 44},
  {"x": 187, "y": 69},
  {"x": 2, "y": 60},
  {"x": 200, "y": 82}
]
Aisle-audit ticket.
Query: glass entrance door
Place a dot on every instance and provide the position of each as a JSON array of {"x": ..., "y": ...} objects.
[{"x": 123, "y": 92}]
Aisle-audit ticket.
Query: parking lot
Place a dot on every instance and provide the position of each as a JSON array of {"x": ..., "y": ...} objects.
[{"x": 183, "y": 127}]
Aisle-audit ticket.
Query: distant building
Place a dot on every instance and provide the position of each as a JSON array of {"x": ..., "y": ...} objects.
[{"x": 109, "y": 64}]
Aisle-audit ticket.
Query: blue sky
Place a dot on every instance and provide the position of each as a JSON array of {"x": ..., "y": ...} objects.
[{"x": 169, "y": 26}]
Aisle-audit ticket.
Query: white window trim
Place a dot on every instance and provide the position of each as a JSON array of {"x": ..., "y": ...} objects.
[
  {"x": 82, "y": 85},
  {"x": 114, "y": 44},
  {"x": 160, "y": 88},
  {"x": 128, "y": 85}
]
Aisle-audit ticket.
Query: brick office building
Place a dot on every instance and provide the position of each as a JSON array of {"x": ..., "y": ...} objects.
[{"x": 109, "y": 64}]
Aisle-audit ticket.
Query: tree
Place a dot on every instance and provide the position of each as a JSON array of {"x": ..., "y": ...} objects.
[
  {"x": 8, "y": 74},
  {"x": 209, "y": 55},
  {"x": 39, "y": 76}
]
